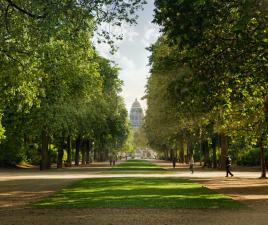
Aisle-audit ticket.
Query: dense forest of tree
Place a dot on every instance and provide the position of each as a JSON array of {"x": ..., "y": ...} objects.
[
  {"x": 56, "y": 92},
  {"x": 208, "y": 90}
]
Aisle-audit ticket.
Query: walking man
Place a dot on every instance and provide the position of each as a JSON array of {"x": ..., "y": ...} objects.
[{"x": 228, "y": 166}]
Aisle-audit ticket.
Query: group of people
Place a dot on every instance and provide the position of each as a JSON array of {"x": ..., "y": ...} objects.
[{"x": 228, "y": 162}]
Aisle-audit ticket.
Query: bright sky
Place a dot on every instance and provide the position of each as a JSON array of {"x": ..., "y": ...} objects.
[{"x": 132, "y": 57}]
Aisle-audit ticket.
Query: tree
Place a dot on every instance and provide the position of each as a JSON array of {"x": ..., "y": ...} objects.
[
  {"x": 140, "y": 139},
  {"x": 235, "y": 85},
  {"x": 50, "y": 75}
]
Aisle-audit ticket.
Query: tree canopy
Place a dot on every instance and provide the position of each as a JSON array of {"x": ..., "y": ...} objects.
[
  {"x": 55, "y": 90},
  {"x": 215, "y": 55}
]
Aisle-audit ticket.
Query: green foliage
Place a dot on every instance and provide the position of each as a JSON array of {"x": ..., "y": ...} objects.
[
  {"x": 2, "y": 130},
  {"x": 137, "y": 193},
  {"x": 11, "y": 154},
  {"x": 52, "y": 152},
  {"x": 211, "y": 67},
  {"x": 32, "y": 154},
  {"x": 250, "y": 157},
  {"x": 52, "y": 81},
  {"x": 128, "y": 145},
  {"x": 140, "y": 139}
]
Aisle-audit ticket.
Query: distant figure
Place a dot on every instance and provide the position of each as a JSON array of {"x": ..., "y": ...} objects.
[
  {"x": 228, "y": 166},
  {"x": 114, "y": 159},
  {"x": 192, "y": 164},
  {"x": 174, "y": 160}
]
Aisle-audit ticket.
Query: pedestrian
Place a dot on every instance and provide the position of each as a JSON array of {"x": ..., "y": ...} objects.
[
  {"x": 228, "y": 166},
  {"x": 174, "y": 160},
  {"x": 192, "y": 164}
]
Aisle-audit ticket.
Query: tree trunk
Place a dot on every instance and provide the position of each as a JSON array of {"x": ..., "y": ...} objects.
[
  {"x": 77, "y": 148},
  {"x": 205, "y": 150},
  {"x": 166, "y": 154},
  {"x": 60, "y": 153},
  {"x": 189, "y": 151},
  {"x": 60, "y": 156},
  {"x": 102, "y": 156},
  {"x": 106, "y": 155},
  {"x": 214, "y": 148},
  {"x": 262, "y": 159},
  {"x": 69, "y": 158},
  {"x": 170, "y": 158},
  {"x": 83, "y": 153},
  {"x": 97, "y": 153},
  {"x": 263, "y": 164},
  {"x": 181, "y": 152},
  {"x": 94, "y": 153},
  {"x": 266, "y": 111},
  {"x": 87, "y": 152},
  {"x": 44, "y": 163},
  {"x": 224, "y": 149}
]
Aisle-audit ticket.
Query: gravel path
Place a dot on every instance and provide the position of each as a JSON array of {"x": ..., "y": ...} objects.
[{"x": 18, "y": 188}]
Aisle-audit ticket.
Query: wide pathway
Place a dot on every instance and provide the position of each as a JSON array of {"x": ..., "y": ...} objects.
[{"x": 18, "y": 188}]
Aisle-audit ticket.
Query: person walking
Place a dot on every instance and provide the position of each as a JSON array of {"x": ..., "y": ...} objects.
[
  {"x": 192, "y": 164},
  {"x": 174, "y": 160},
  {"x": 228, "y": 166}
]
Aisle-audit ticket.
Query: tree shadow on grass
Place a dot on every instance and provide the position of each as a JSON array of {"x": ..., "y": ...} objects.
[{"x": 137, "y": 193}]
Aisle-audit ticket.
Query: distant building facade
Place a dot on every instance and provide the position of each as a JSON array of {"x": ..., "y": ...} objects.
[{"x": 136, "y": 115}]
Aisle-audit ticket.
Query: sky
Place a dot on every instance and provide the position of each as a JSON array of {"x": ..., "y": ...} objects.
[{"x": 132, "y": 56}]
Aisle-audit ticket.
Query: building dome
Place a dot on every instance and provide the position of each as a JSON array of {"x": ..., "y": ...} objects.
[
  {"x": 136, "y": 115},
  {"x": 136, "y": 104}
]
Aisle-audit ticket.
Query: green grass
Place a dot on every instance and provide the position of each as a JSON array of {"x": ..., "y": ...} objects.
[
  {"x": 137, "y": 165},
  {"x": 137, "y": 193},
  {"x": 138, "y": 172}
]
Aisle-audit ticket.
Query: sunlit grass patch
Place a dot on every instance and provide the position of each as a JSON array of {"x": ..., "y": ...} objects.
[
  {"x": 137, "y": 193},
  {"x": 138, "y": 172}
]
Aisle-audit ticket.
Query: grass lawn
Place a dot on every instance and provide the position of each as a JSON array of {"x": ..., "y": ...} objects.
[
  {"x": 137, "y": 165},
  {"x": 137, "y": 193}
]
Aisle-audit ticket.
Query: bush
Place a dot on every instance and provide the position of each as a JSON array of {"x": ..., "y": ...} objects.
[
  {"x": 251, "y": 157},
  {"x": 32, "y": 153},
  {"x": 11, "y": 154},
  {"x": 52, "y": 153}
]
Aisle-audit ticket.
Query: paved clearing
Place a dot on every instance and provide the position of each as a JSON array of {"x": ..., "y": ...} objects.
[{"x": 20, "y": 187}]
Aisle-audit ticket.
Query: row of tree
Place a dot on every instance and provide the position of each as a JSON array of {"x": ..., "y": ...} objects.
[
  {"x": 208, "y": 87},
  {"x": 54, "y": 87}
]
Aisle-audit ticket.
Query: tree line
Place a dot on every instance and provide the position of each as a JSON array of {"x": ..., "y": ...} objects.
[
  {"x": 207, "y": 93},
  {"x": 56, "y": 91}
]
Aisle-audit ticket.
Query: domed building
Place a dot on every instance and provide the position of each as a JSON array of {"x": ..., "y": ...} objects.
[{"x": 136, "y": 115}]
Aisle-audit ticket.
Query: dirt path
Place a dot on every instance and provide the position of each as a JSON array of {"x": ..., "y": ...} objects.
[{"x": 20, "y": 187}]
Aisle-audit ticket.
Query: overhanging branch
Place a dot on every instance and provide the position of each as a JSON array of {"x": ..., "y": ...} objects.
[{"x": 24, "y": 11}]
